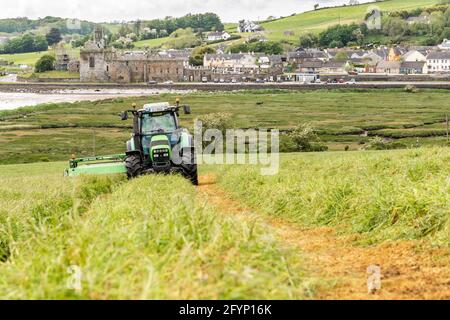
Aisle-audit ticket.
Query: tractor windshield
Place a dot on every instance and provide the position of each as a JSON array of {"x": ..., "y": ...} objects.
[{"x": 152, "y": 123}]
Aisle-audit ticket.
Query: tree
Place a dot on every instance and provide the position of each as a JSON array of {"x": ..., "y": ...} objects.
[
  {"x": 27, "y": 43},
  {"x": 196, "y": 59},
  {"x": 308, "y": 40},
  {"x": 316, "y": 6},
  {"x": 53, "y": 36},
  {"x": 45, "y": 63},
  {"x": 341, "y": 56}
]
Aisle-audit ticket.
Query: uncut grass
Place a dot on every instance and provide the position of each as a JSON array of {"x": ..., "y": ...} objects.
[
  {"x": 391, "y": 195},
  {"x": 144, "y": 239}
]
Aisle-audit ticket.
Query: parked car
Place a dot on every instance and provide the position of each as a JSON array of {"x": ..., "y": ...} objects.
[
  {"x": 341, "y": 81},
  {"x": 222, "y": 81},
  {"x": 318, "y": 81},
  {"x": 152, "y": 82},
  {"x": 168, "y": 82},
  {"x": 352, "y": 73},
  {"x": 204, "y": 79},
  {"x": 332, "y": 81},
  {"x": 351, "y": 81}
]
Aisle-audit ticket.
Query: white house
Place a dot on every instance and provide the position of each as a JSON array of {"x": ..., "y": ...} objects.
[
  {"x": 445, "y": 45},
  {"x": 248, "y": 26},
  {"x": 439, "y": 62},
  {"x": 218, "y": 36},
  {"x": 414, "y": 55}
]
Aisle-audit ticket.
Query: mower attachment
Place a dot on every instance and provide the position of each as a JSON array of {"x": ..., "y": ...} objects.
[{"x": 112, "y": 164}]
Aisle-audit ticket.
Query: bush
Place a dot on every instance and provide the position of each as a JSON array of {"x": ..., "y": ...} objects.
[
  {"x": 304, "y": 138},
  {"x": 220, "y": 121},
  {"x": 410, "y": 88},
  {"x": 45, "y": 63},
  {"x": 378, "y": 143}
]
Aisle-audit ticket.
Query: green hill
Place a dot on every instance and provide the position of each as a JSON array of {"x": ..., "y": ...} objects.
[{"x": 291, "y": 27}]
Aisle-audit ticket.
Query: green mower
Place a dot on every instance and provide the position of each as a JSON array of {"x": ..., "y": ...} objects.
[{"x": 158, "y": 145}]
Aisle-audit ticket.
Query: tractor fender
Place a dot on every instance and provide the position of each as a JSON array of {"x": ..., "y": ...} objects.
[{"x": 131, "y": 146}]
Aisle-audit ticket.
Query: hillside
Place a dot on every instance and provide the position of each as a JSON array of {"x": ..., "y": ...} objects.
[
  {"x": 205, "y": 242},
  {"x": 290, "y": 28}
]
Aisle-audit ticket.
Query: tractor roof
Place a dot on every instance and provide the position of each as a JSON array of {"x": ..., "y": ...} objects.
[{"x": 158, "y": 107}]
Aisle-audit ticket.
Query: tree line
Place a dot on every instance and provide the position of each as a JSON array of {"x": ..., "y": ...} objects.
[
  {"x": 31, "y": 42},
  {"x": 20, "y": 25}
]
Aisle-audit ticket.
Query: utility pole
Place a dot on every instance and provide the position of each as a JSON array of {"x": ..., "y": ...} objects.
[
  {"x": 93, "y": 140},
  {"x": 446, "y": 124}
]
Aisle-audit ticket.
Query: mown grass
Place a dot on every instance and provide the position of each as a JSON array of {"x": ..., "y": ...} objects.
[
  {"x": 150, "y": 238},
  {"x": 56, "y": 131},
  {"x": 381, "y": 196}
]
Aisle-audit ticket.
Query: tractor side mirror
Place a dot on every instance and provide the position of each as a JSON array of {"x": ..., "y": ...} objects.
[
  {"x": 187, "y": 109},
  {"x": 123, "y": 115}
]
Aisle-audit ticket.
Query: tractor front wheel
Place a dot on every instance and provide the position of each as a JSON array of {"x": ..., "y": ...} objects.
[
  {"x": 189, "y": 165},
  {"x": 133, "y": 165}
]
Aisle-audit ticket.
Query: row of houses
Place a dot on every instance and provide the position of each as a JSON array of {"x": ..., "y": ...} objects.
[{"x": 396, "y": 60}]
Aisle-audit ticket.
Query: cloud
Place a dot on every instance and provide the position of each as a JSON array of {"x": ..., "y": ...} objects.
[{"x": 115, "y": 10}]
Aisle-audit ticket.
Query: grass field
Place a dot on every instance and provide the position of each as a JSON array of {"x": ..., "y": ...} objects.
[
  {"x": 54, "y": 74},
  {"x": 156, "y": 237},
  {"x": 391, "y": 195},
  {"x": 151, "y": 43},
  {"x": 291, "y": 28},
  {"x": 128, "y": 243},
  {"x": 342, "y": 117},
  {"x": 32, "y": 57}
]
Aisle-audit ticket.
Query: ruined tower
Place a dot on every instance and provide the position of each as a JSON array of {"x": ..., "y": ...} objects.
[{"x": 94, "y": 59}]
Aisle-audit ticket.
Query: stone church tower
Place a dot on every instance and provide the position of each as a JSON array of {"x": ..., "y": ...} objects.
[{"x": 94, "y": 59}]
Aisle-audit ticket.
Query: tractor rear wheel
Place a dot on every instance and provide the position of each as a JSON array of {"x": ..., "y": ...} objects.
[{"x": 133, "y": 165}]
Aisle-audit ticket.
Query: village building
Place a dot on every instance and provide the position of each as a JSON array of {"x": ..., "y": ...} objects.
[
  {"x": 218, "y": 36},
  {"x": 414, "y": 55},
  {"x": 445, "y": 45},
  {"x": 395, "y": 54},
  {"x": 439, "y": 62},
  {"x": 334, "y": 67},
  {"x": 389, "y": 67},
  {"x": 413, "y": 67},
  {"x": 248, "y": 26},
  {"x": 310, "y": 66},
  {"x": 423, "y": 18}
]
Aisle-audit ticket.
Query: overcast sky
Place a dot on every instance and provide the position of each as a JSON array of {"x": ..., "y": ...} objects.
[{"x": 120, "y": 10}]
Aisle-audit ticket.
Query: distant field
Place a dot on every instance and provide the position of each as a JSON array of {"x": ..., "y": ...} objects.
[
  {"x": 344, "y": 118},
  {"x": 54, "y": 74},
  {"x": 32, "y": 57},
  {"x": 291, "y": 28},
  {"x": 151, "y": 43}
]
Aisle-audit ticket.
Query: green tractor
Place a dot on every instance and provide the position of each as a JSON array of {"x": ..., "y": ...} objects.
[{"x": 158, "y": 145}]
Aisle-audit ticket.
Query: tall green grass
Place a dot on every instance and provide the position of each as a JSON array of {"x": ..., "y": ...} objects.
[
  {"x": 380, "y": 195},
  {"x": 150, "y": 238}
]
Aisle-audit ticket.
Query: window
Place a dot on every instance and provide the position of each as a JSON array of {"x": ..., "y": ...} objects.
[
  {"x": 91, "y": 62},
  {"x": 152, "y": 124}
]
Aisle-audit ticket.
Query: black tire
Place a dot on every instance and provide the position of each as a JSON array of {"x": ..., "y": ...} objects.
[
  {"x": 189, "y": 166},
  {"x": 133, "y": 164}
]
